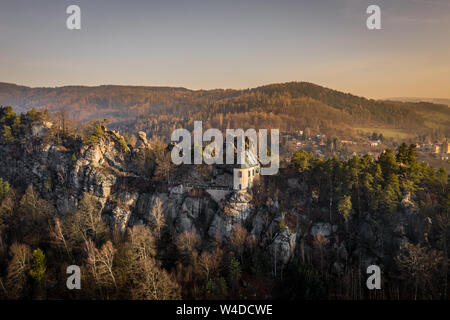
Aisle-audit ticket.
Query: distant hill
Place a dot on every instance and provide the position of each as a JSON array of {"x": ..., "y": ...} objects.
[
  {"x": 287, "y": 106},
  {"x": 431, "y": 100}
]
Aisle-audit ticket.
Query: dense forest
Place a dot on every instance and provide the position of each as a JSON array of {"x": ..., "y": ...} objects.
[
  {"x": 391, "y": 211},
  {"x": 288, "y": 107}
]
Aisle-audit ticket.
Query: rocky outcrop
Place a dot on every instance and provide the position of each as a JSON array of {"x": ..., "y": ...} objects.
[
  {"x": 38, "y": 130},
  {"x": 141, "y": 143},
  {"x": 323, "y": 229},
  {"x": 63, "y": 174},
  {"x": 283, "y": 246}
]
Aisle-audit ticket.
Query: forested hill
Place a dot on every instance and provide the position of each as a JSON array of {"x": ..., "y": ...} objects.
[{"x": 286, "y": 106}]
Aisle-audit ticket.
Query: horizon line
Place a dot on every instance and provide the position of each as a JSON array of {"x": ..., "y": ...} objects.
[{"x": 212, "y": 89}]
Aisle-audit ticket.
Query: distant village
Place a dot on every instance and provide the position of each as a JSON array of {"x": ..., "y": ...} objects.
[
  {"x": 442, "y": 149},
  {"x": 323, "y": 146}
]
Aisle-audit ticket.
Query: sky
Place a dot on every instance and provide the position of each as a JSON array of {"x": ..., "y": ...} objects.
[{"x": 206, "y": 44}]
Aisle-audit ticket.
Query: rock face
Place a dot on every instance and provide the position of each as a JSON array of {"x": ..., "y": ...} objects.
[
  {"x": 64, "y": 174},
  {"x": 283, "y": 246},
  {"x": 142, "y": 140},
  {"x": 324, "y": 229}
]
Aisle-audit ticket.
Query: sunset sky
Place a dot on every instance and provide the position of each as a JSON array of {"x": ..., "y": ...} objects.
[{"x": 230, "y": 44}]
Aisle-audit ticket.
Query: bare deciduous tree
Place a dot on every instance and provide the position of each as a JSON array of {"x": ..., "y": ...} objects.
[
  {"x": 100, "y": 263},
  {"x": 209, "y": 263},
  {"x": 159, "y": 219},
  {"x": 57, "y": 234},
  {"x": 186, "y": 244},
  {"x": 163, "y": 166},
  {"x": 153, "y": 283},
  {"x": 142, "y": 243},
  {"x": 18, "y": 269},
  {"x": 238, "y": 239},
  {"x": 418, "y": 265},
  {"x": 86, "y": 224}
]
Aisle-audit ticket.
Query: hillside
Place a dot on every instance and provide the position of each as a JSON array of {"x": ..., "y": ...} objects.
[{"x": 287, "y": 106}]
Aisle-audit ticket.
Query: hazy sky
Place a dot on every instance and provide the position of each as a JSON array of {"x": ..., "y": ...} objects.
[{"x": 230, "y": 44}]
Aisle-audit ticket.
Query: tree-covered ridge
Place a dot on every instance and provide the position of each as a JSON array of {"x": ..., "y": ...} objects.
[
  {"x": 287, "y": 106},
  {"x": 392, "y": 209},
  {"x": 13, "y": 127},
  {"x": 376, "y": 186}
]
